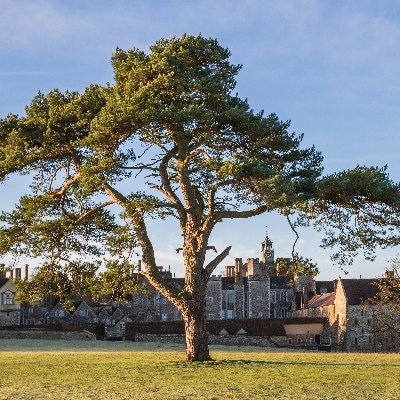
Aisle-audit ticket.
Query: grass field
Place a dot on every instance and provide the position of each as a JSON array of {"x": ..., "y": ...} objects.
[{"x": 125, "y": 370}]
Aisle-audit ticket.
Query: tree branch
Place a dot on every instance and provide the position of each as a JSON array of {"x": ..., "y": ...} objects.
[
  {"x": 116, "y": 196},
  {"x": 167, "y": 189},
  {"x": 94, "y": 210},
  {"x": 196, "y": 153},
  {"x": 211, "y": 195},
  {"x": 61, "y": 192},
  {"x": 152, "y": 273},
  {"x": 295, "y": 232},
  {"x": 214, "y": 263},
  {"x": 241, "y": 214}
]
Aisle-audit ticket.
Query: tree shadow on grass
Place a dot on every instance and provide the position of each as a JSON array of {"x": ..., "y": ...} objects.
[{"x": 215, "y": 363}]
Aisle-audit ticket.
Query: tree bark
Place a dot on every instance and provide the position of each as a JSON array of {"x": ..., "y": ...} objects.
[{"x": 196, "y": 334}]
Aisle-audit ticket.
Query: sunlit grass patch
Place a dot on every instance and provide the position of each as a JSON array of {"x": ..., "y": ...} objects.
[{"x": 126, "y": 370}]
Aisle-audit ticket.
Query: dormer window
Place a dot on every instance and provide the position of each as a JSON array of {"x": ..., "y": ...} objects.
[
  {"x": 83, "y": 313},
  {"x": 59, "y": 313},
  {"x": 8, "y": 299}
]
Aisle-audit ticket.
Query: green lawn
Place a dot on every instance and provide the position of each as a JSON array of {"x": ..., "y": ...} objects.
[{"x": 125, "y": 370}]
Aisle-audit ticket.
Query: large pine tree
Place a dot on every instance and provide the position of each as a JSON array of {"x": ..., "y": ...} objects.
[{"x": 207, "y": 156}]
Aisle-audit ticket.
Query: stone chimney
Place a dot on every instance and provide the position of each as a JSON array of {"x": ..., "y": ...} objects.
[
  {"x": 18, "y": 273},
  {"x": 230, "y": 271},
  {"x": 304, "y": 287},
  {"x": 238, "y": 271}
]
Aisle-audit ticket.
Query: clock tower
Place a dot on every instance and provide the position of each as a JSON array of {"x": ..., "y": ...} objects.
[{"x": 267, "y": 251}]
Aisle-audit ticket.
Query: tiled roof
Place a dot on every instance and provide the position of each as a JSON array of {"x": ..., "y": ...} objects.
[
  {"x": 359, "y": 291},
  {"x": 328, "y": 286},
  {"x": 228, "y": 283},
  {"x": 280, "y": 282},
  {"x": 3, "y": 281},
  {"x": 303, "y": 320},
  {"x": 178, "y": 282},
  {"x": 321, "y": 300}
]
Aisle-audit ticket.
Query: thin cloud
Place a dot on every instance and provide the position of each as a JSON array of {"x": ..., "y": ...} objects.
[{"x": 22, "y": 73}]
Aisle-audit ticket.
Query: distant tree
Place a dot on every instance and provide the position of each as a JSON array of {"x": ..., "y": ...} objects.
[
  {"x": 64, "y": 282},
  {"x": 387, "y": 307},
  {"x": 169, "y": 139},
  {"x": 289, "y": 267},
  {"x": 3, "y": 270},
  {"x": 116, "y": 281}
]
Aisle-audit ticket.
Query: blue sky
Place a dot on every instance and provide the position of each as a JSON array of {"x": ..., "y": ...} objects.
[{"x": 331, "y": 67}]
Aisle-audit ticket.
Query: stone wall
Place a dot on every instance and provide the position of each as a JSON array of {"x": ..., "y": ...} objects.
[
  {"x": 360, "y": 333},
  {"x": 294, "y": 341},
  {"x": 341, "y": 314},
  {"x": 50, "y": 335},
  {"x": 281, "y": 301},
  {"x": 257, "y": 341},
  {"x": 214, "y": 298},
  {"x": 330, "y": 331},
  {"x": 10, "y": 317},
  {"x": 239, "y": 300},
  {"x": 259, "y": 297}
]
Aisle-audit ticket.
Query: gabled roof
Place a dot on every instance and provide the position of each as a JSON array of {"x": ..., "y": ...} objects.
[
  {"x": 359, "y": 291},
  {"x": 103, "y": 311},
  {"x": 321, "y": 300},
  {"x": 76, "y": 304},
  {"x": 61, "y": 306}
]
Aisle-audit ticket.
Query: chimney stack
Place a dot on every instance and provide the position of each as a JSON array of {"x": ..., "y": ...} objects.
[
  {"x": 18, "y": 273},
  {"x": 229, "y": 271},
  {"x": 238, "y": 271},
  {"x": 2, "y": 271}
]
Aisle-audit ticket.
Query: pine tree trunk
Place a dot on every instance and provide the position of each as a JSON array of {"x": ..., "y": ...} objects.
[{"x": 196, "y": 335}]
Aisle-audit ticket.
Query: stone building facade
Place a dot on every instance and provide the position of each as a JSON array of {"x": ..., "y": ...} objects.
[
  {"x": 282, "y": 297},
  {"x": 10, "y": 309},
  {"x": 353, "y": 323},
  {"x": 247, "y": 290}
]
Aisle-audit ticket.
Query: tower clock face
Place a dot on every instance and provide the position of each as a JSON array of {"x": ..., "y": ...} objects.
[{"x": 269, "y": 254}]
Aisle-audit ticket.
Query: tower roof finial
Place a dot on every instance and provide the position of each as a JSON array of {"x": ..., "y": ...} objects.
[{"x": 267, "y": 239}]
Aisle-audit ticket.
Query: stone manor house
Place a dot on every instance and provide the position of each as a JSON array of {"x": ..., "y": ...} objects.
[{"x": 247, "y": 290}]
